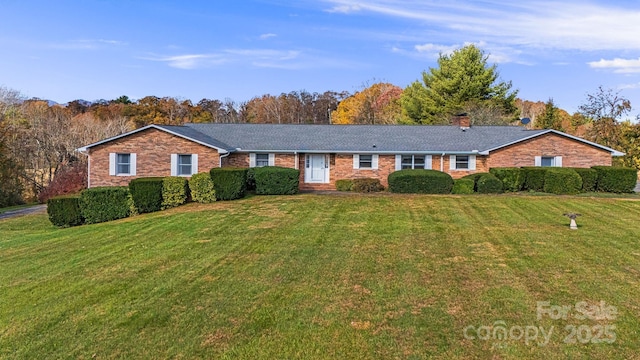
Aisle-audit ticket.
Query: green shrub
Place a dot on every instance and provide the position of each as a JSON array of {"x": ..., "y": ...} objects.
[
  {"x": 463, "y": 186},
  {"x": 64, "y": 211},
  {"x": 616, "y": 179},
  {"x": 488, "y": 184},
  {"x": 512, "y": 178},
  {"x": 589, "y": 178},
  {"x": 474, "y": 178},
  {"x": 201, "y": 187},
  {"x": 367, "y": 185},
  {"x": 562, "y": 181},
  {"x": 175, "y": 191},
  {"x": 275, "y": 180},
  {"x": 229, "y": 183},
  {"x": 420, "y": 181},
  {"x": 534, "y": 178},
  {"x": 104, "y": 204},
  {"x": 147, "y": 193},
  {"x": 344, "y": 185}
]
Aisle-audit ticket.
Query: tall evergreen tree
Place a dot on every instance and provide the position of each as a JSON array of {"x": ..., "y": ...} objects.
[
  {"x": 463, "y": 80},
  {"x": 550, "y": 118}
]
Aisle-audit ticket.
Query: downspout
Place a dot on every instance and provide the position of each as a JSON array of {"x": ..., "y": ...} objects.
[
  {"x": 88, "y": 166},
  {"x": 442, "y": 162},
  {"x": 223, "y": 156},
  {"x": 297, "y": 159}
]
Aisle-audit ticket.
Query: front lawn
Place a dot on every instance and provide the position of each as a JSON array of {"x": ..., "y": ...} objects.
[{"x": 327, "y": 277}]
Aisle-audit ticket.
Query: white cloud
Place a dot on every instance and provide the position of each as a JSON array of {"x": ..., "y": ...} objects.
[
  {"x": 567, "y": 25},
  {"x": 260, "y": 58},
  {"x": 629, "y": 86},
  {"x": 87, "y": 44},
  {"x": 621, "y": 66},
  {"x": 267, "y": 36}
]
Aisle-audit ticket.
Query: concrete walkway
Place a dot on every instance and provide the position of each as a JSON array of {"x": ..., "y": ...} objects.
[{"x": 26, "y": 211}]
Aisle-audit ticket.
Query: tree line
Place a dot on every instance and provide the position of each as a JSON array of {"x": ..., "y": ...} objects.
[{"x": 38, "y": 140}]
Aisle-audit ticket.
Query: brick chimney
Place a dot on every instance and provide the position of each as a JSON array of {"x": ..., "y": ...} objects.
[{"x": 461, "y": 120}]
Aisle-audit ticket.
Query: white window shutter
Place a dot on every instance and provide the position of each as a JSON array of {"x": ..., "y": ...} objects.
[
  {"x": 374, "y": 161},
  {"x": 538, "y": 161},
  {"x": 356, "y": 161},
  {"x": 272, "y": 159},
  {"x": 398, "y": 162},
  {"x": 452, "y": 162},
  {"x": 472, "y": 162},
  {"x": 428, "y": 164},
  {"x": 174, "y": 164},
  {"x": 558, "y": 161},
  {"x": 112, "y": 163},
  {"x": 133, "y": 165},
  {"x": 194, "y": 164},
  {"x": 252, "y": 160}
]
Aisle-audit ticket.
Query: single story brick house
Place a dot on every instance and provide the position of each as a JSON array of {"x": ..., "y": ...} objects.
[{"x": 326, "y": 153}]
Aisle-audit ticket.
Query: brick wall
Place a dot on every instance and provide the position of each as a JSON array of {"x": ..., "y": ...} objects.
[
  {"x": 153, "y": 148},
  {"x": 574, "y": 153}
]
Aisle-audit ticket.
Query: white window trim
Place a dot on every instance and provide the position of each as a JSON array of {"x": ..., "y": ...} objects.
[
  {"x": 252, "y": 159},
  {"x": 113, "y": 164},
  {"x": 428, "y": 161},
  {"x": 374, "y": 162},
  {"x": 557, "y": 161},
  {"x": 453, "y": 165},
  {"x": 174, "y": 164}
]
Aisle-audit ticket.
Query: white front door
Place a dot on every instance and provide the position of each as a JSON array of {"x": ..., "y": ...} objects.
[{"x": 316, "y": 168}]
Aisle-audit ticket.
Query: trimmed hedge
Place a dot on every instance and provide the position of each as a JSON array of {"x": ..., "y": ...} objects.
[
  {"x": 474, "y": 178},
  {"x": 512, "y": 178},
  {"x": 275, "y": 180},
  {"x": 229, "y": 183},
  {"x": 344, "y": 185},
  {"x": 488, "y": 184},
  {"x": 104, "y": 204},
  {"x": 463, "y": 186},
  {"x": 534, "y": 178},
  {"x": 366, "y": 185},
  {"x": 420, "y": 181},
  {"x": 201, "y": 187},
  {"x": 616, "y": 179},
  {"x": 64, "y": 211},
  {"x": 147, "y": 193},
  {"x": 175, "y": 191},
  {"x": 562, "y": 181},
  {"x": 589, "y": 178}
]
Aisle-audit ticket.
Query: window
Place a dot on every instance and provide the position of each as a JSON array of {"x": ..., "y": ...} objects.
[
  {"x": 365, "y": 162},
  {"x": 548, "y": 161},
  {"x": 184, "y": 165},
  {"x": 462, "y": 162},
  {"x": 123, "y": 164},
  {"x": 259, "y": 160},
  {"x": 413, "y": 162},
  {"x": 262, "y": 160}
]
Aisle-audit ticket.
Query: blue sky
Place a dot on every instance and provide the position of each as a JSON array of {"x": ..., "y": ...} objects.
[{"x": 65, "y": 50}]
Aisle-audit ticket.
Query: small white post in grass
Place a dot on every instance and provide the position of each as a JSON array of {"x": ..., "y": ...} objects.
[{"x": 572, "y": 216}]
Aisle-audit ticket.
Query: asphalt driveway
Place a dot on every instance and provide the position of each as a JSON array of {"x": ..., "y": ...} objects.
[{"x": 25, "y": 211}]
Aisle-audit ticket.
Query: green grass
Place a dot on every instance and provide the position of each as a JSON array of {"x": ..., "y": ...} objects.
[{"x": 328, "y": 277}]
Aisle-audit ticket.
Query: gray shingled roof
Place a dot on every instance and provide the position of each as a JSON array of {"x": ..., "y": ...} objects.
[
  {"x": 362, "y": 138},
  {"x": 199, "y": 136}
]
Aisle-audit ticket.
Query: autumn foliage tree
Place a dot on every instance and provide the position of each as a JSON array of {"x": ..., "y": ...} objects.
[{"x": 376, "y": 104}]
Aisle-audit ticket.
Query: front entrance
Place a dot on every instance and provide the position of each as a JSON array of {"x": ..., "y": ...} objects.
[{"x": 316, "y": 168}]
